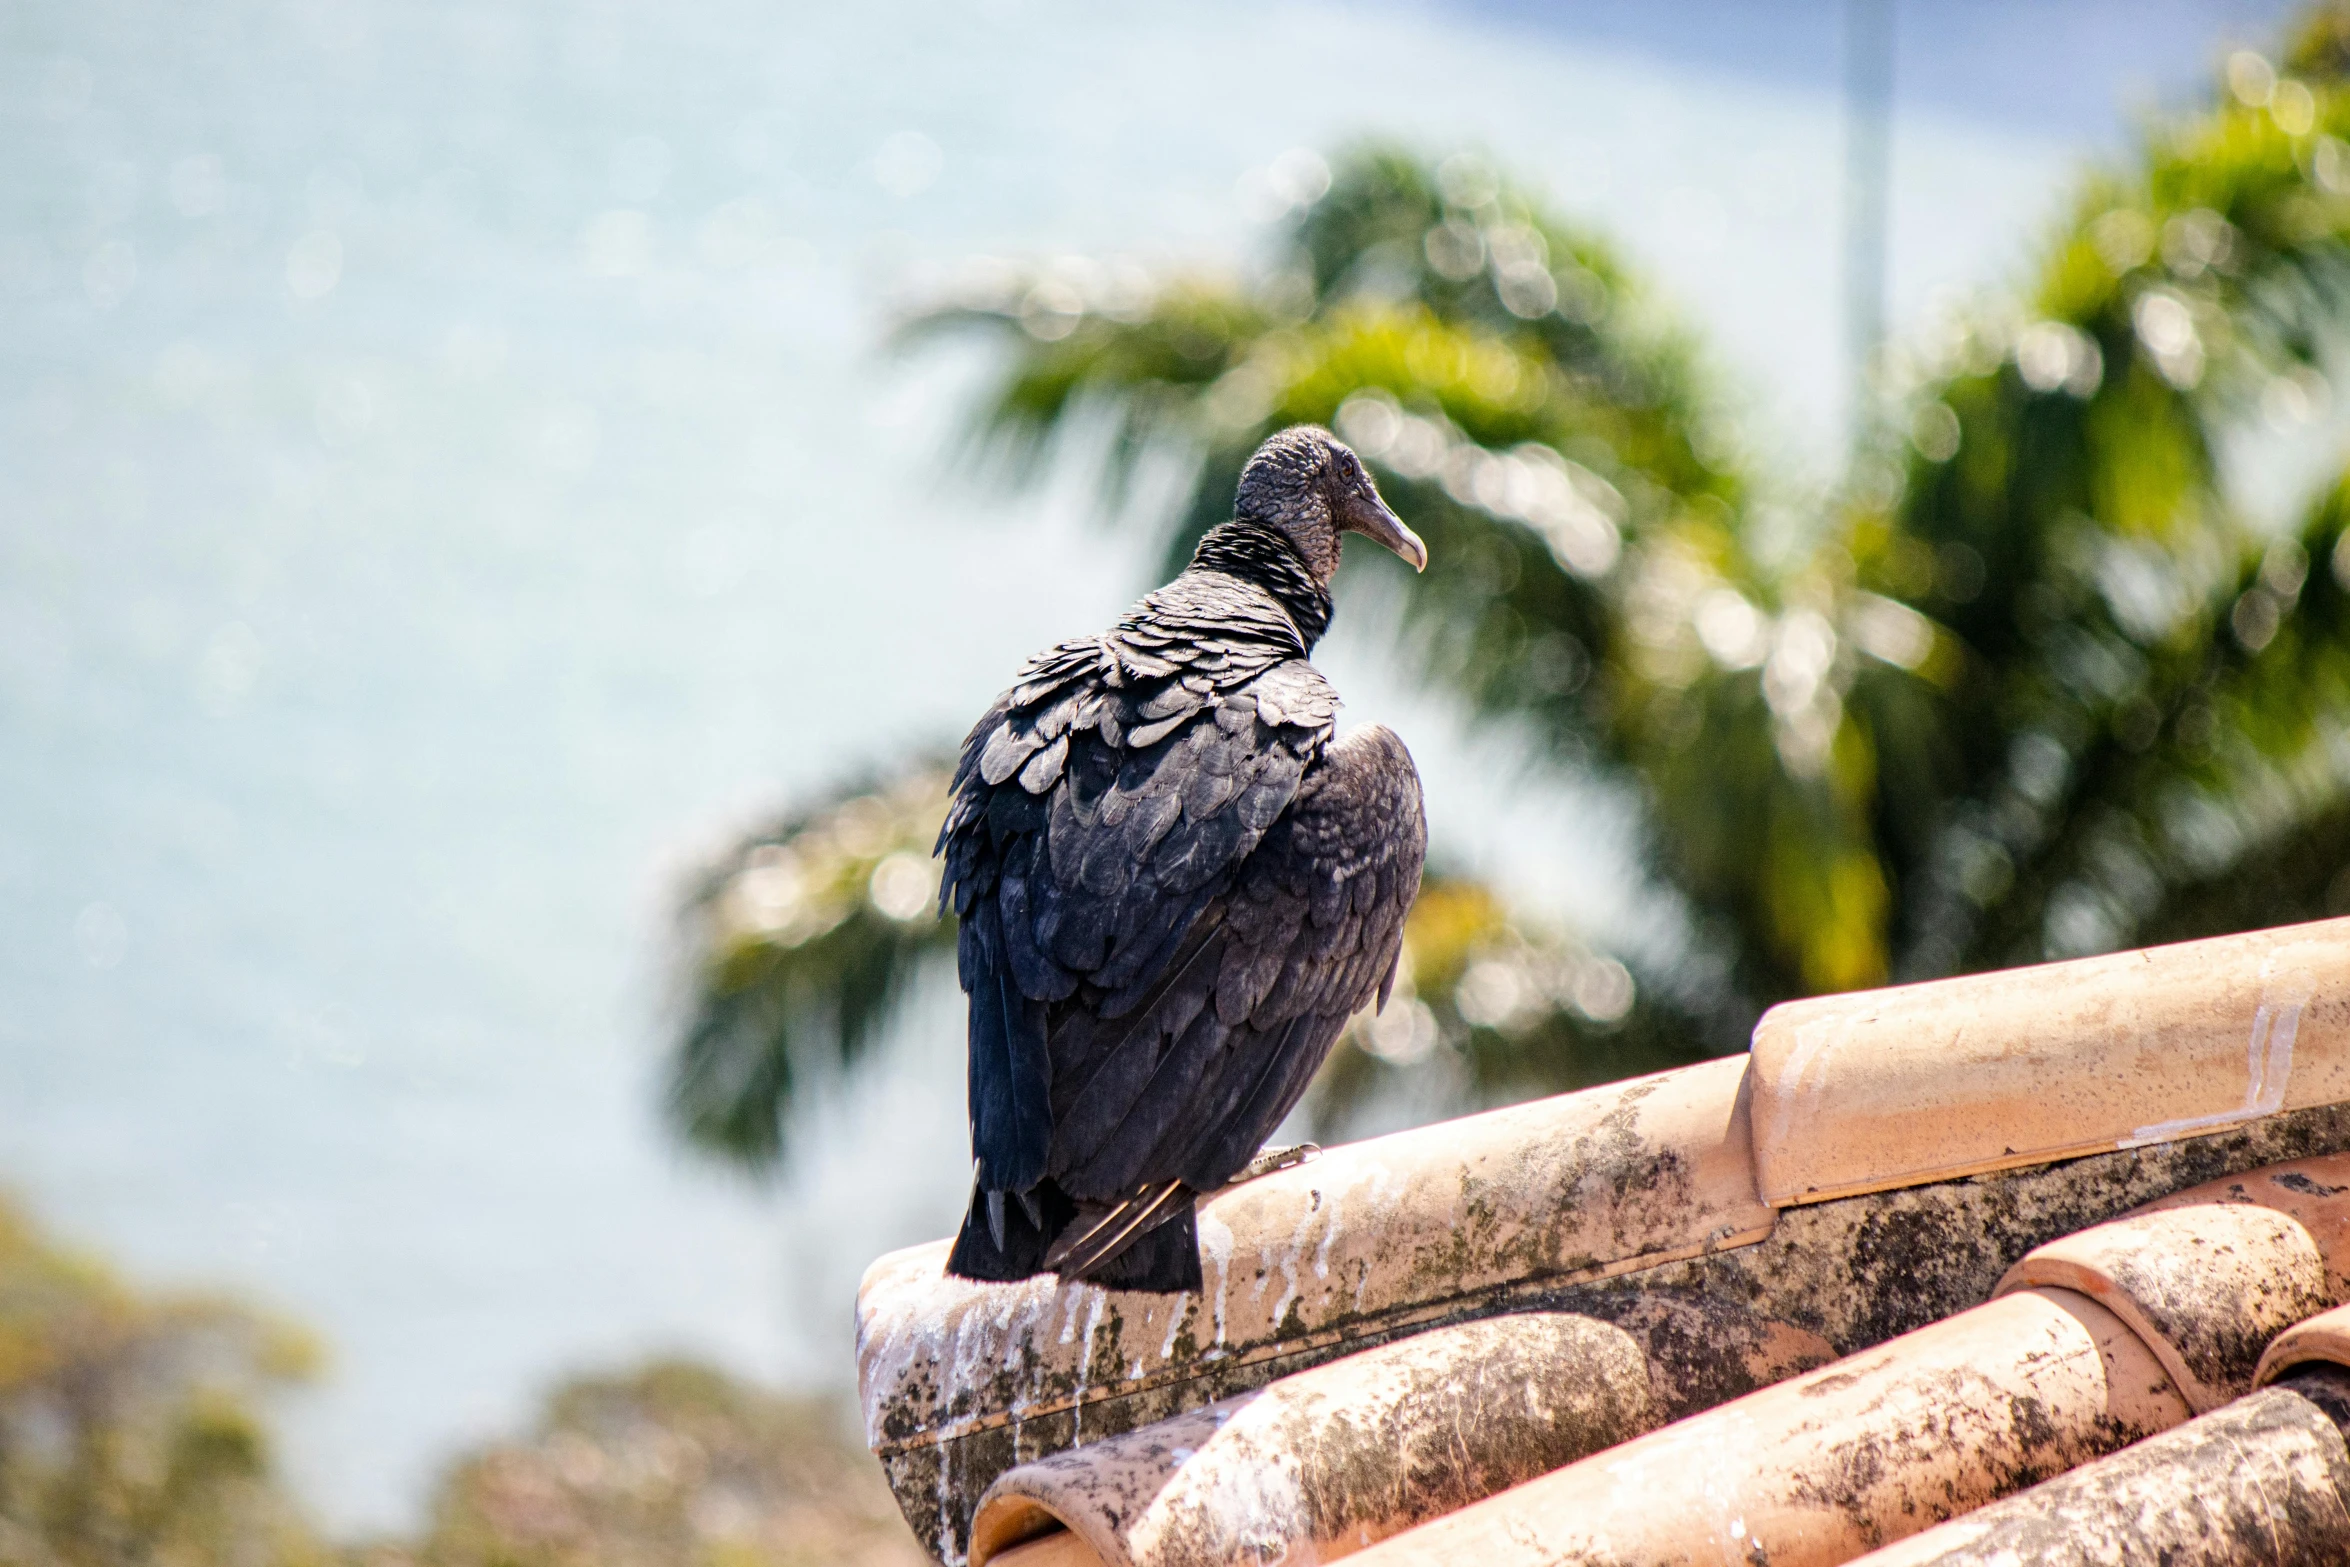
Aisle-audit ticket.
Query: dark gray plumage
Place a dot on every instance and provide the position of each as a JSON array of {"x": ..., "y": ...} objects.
[{"x": 1174, "y": 889}]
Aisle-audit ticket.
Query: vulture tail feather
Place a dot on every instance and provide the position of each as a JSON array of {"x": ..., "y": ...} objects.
[
  {"x": 1029, "y": 1226},
  {"x": 1082, "y": 1251}
]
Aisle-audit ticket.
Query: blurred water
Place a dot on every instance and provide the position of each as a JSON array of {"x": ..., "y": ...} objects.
[{"x": 446, "y": 474}]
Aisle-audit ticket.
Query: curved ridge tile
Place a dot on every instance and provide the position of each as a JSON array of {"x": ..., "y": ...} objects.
[{"x": 1876, "y": 1089}]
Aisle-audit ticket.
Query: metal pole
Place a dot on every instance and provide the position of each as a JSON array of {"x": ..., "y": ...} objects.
[{"x": 1868, "y": 101}]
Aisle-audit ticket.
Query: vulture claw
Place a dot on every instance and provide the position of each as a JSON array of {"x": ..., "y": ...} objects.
[{"x": 1276, "y": 1159}]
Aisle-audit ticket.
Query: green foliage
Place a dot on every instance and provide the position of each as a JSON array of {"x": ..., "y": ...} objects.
[
  {"x": 2030, "y": 682},
  {"x": 1503, "y": 1005},
  {"x": 2152, "y": 702},
  {"x": 132, "y": 1435},
  {"x": 128, "y": 1425},
  {"x": 670, "y": 1465},
  {"x": 803, "y": 936}
]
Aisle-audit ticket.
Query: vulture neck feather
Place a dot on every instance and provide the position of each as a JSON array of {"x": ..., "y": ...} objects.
[{"x": 1258, "y": 553}]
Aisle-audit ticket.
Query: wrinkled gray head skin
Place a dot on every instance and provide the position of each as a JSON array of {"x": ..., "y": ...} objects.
[{"x": 1305, "y": 482}]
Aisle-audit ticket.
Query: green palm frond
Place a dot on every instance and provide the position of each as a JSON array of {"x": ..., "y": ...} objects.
[
  {"x": 2067, "y": 513},
  {"x": 2219, "y": 800},
  {"x": 800, "y": 940},
  {"x": 1501, "y": 1004}
]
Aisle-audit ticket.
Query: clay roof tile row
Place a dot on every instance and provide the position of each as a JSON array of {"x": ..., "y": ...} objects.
[{"x": 1927, "y": 1253}]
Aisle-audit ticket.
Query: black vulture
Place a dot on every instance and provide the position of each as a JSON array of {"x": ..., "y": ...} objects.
[{"x": 1174, "y": 889}]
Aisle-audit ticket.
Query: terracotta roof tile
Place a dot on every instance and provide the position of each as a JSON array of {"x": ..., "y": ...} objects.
[
  {"x": 2315, "y": 1191},
  {"x": 2320, "y": 1340},
  {"x": 1925, "y": 1148},
  {"x": 1330, "y": 1460},
  {"x": 2260, "y": 1480},
  {"x": 1884, "y": 1088},
  {"x": 1829, "y": 1464},
  {"x": 1359, "y": 1241},
  {"x": 2206, "y": 1285}
]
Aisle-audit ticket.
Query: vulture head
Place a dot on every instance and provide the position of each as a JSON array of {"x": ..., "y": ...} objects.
[{"x": 1306, "y": 483}]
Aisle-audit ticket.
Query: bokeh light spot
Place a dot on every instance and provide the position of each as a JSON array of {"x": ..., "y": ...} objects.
[{"x": 314, "y": 265}]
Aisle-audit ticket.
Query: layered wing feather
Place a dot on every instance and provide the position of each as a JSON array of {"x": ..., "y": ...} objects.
[
  {"x": 1173, "y": 891},
  {"x": 1100, "y": 806},
  {"x": 1188, "y": 1087}
]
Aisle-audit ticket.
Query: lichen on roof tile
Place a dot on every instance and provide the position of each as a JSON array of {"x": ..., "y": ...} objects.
[
  {"x": 1351, "y": 1243},
  {"x": 1839, "y": 1460},
  {"x": 1327, "y": 1461},
  {"x": 1968, "y": 1122},
  {"x": 2206, "y": 1285}
]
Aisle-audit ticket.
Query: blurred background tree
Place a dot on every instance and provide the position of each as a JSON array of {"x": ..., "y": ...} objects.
[
  {"x": 134, "y": 1433},
  {"x": 670, "y": 1465},
  {"x": 2033, "y": 679},
  {"x": 131, "y": 1426}
]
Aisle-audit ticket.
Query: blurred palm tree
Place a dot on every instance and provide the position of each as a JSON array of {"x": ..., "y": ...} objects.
[
  {"x": 2032, "y": 681},
  {"x": 811, "y": 927}
]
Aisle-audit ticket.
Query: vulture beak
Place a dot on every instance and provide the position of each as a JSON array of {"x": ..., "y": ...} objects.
[{"x": 1369, "y": 516}]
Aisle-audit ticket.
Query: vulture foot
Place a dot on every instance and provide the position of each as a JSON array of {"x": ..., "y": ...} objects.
[{"x": 1275, "y": 1159}]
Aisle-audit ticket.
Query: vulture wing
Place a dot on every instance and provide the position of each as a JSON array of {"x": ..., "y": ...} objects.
[
  {"x": 1175, "y": 1097},
  {"x": 1173, "y": 892}
]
